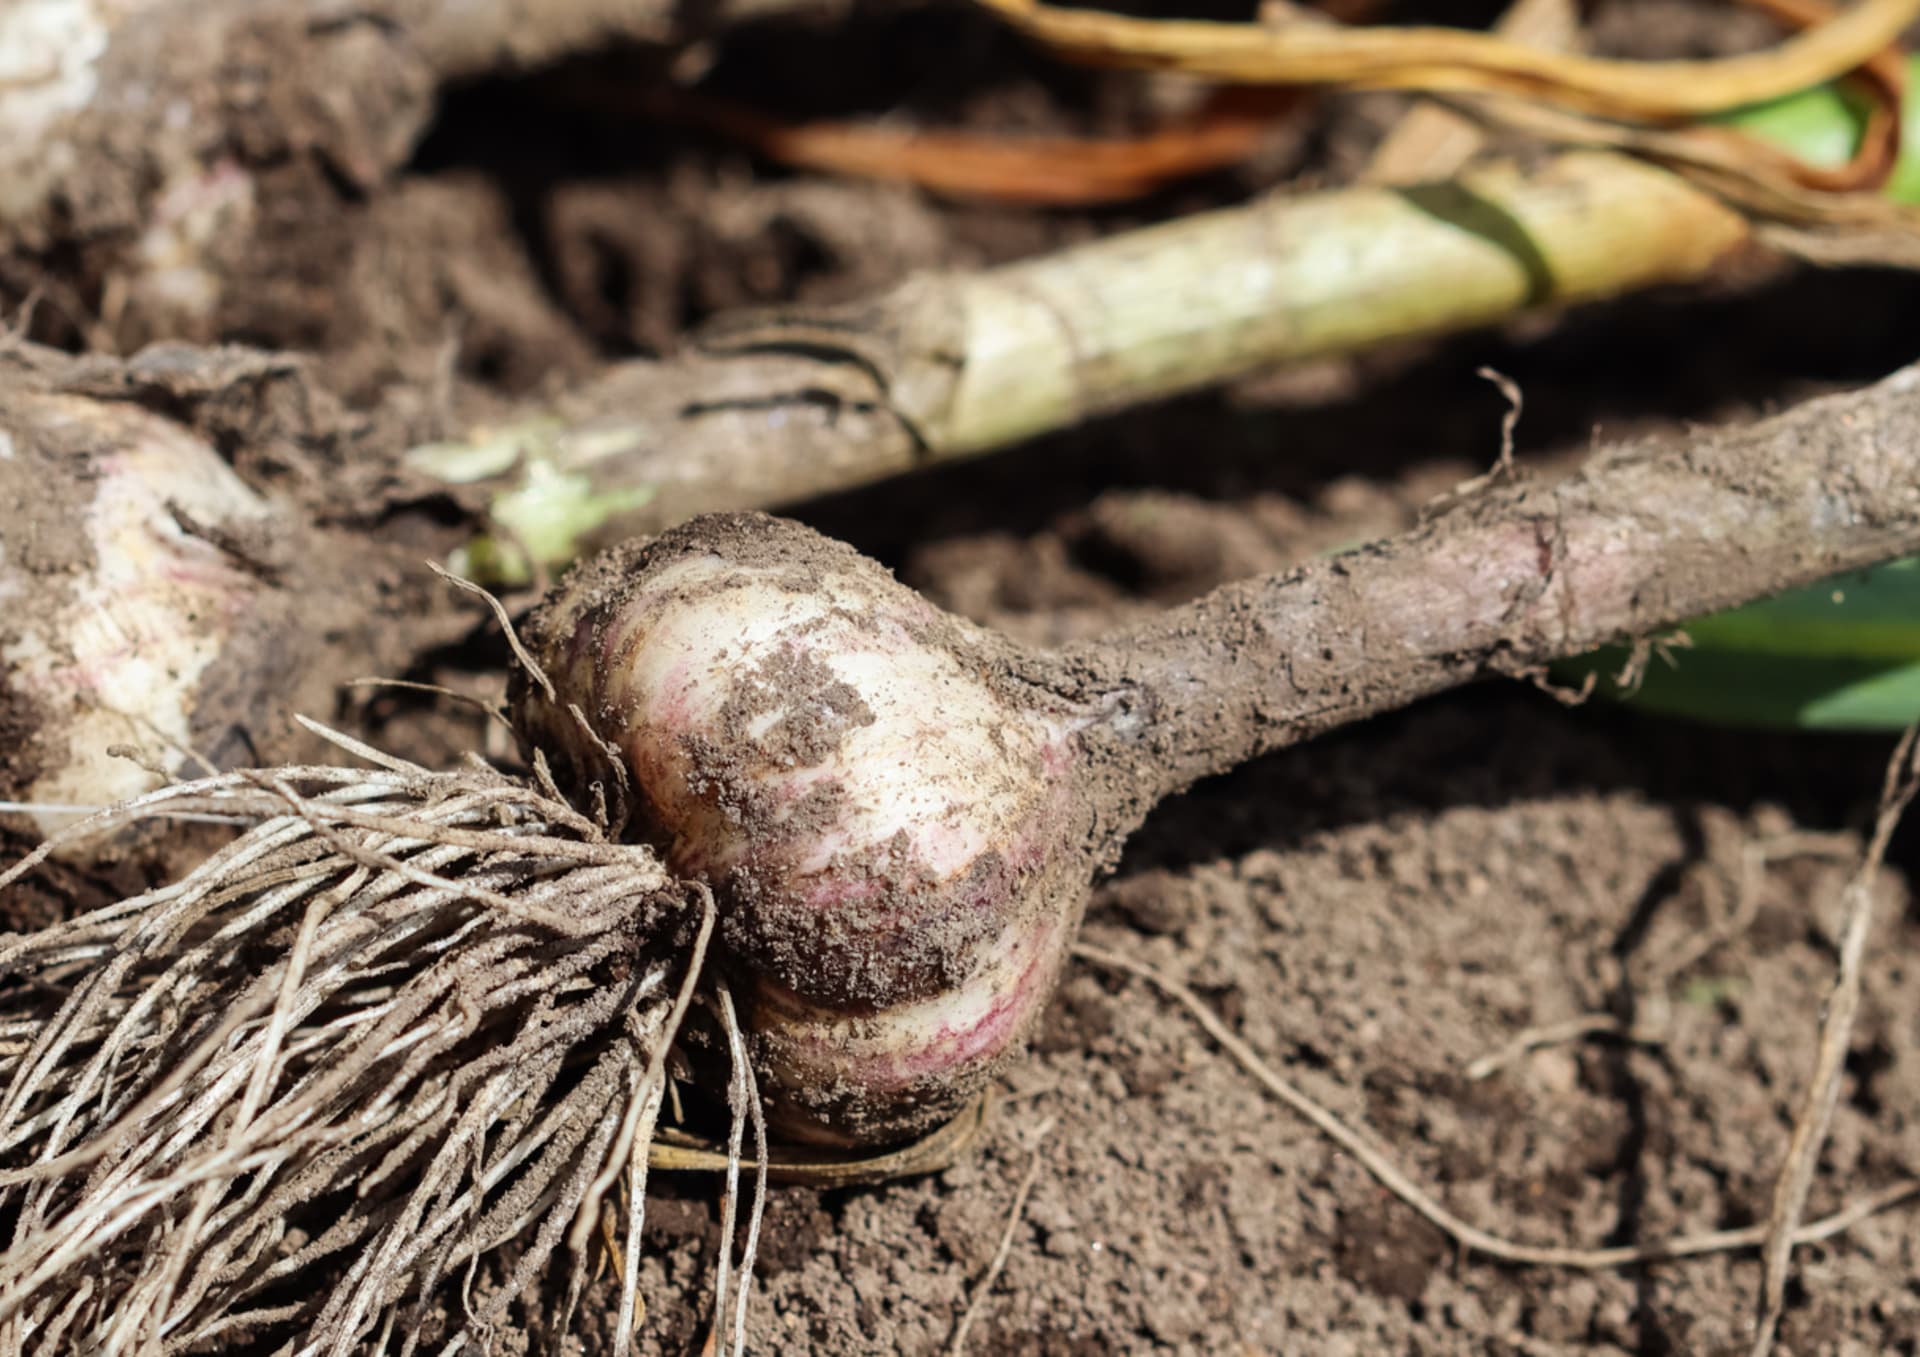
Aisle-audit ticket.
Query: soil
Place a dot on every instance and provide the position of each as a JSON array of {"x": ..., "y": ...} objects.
[{"x": 1370, "y": 912}]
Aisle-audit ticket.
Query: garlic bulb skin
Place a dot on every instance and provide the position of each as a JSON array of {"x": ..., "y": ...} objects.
[{"x": 885, "y": 811}]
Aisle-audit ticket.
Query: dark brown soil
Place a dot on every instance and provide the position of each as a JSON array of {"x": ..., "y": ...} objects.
[{"x": 1370, "y": 912}]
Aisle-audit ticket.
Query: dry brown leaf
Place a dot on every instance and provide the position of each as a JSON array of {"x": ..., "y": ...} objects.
[{"x": 1052, "y": 171}]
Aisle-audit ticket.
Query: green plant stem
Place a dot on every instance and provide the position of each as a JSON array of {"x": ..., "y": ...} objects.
[{"x": 775, "y": 408}]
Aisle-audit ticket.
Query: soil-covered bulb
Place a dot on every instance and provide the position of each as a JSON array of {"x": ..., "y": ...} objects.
[{"x": 884, "y": 810}]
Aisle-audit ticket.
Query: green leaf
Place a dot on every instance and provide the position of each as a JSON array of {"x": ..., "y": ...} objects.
[
  {"x": 1840, "y": 655},
  {"x": 1823, "y": 126}
]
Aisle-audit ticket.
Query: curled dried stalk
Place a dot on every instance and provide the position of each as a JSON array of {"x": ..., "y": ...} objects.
[
  {"x": 1445, "y": 60},
  {"x": 1568, "y": 99},
  {"x": 408, "y": 1023},
  {"x": 1834, "y": 213}
]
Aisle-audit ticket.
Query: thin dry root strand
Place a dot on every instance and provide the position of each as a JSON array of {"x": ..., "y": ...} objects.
[
  {"x": 1823, "y": 1088},
  {"x": 1465, "y": 1234},
  {"x": 743, "y": 1100},
  {"x": 1530, "y": 1039},
  {"x": 406, "y": 1024},
  {"x": 957, "y": 1346}
]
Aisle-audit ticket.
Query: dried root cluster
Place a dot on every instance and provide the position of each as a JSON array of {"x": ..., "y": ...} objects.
[{"x": 350, "y": 1086}]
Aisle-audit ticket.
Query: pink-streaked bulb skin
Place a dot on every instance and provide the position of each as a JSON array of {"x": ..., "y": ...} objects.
[{"x": 886, "y": 814}]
